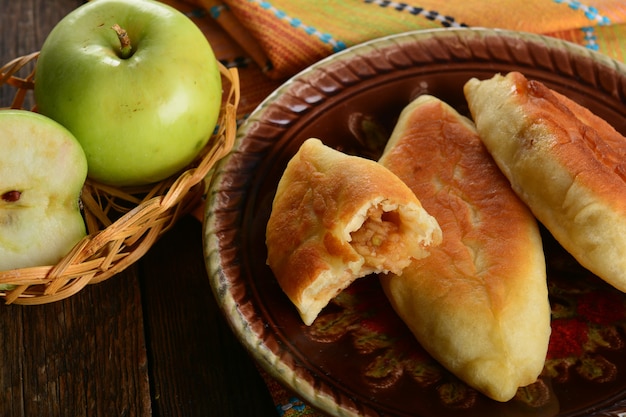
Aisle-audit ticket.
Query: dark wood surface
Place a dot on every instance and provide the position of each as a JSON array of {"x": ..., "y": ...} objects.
[{"x": 149, "y": 341}]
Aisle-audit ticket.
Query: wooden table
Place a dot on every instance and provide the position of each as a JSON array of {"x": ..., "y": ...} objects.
[{"x": 149, "y": 341}]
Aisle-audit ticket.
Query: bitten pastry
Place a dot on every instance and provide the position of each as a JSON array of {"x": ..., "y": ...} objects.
[
  {"x": 479, "y": 303},
  {"x": 336, "y": 218},
  {"x": 567, "y": 164}
]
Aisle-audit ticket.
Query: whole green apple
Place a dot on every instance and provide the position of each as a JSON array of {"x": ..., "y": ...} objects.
[
  {"x": 42, "y": 171},
  {"x": 136, "y": 82}
]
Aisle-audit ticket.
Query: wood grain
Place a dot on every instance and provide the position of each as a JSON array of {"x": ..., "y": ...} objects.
[{"x": 189, "y": 338}]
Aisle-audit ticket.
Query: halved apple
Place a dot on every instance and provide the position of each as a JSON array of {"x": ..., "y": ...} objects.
[{"x": 42, "y": 171}]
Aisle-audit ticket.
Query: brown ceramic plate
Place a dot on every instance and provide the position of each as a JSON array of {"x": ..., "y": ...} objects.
[{"x": 358, "y": 358}]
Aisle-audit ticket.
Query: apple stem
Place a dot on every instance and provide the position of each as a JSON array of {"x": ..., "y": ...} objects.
[{"x": 125, "y": 46}]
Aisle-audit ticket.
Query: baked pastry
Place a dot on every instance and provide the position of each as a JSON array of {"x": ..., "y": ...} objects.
[
  {"x": 336, "y": 218},
  {"x": 567, "y": 164},
  {"x": 479, "y": 303}
]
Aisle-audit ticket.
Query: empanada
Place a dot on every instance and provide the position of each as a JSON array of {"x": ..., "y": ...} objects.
[
  {"x": 567, "y": 164},
  {"x": 336, "y": 218},
  {"x": 479, "y": 303}
]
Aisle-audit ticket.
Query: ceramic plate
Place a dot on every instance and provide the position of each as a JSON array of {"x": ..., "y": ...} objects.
[{"x": 367, "y": 363}]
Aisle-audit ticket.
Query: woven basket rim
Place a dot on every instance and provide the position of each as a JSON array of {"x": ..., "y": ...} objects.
[{"x": 122, "y": 222}]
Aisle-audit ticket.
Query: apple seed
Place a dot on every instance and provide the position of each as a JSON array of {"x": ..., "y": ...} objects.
[{"x": 11, "y": 196}]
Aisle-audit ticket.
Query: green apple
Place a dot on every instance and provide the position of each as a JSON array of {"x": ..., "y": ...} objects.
[
  {"x": 136, "y": 82},
  {"x": 42, "y": 171}
]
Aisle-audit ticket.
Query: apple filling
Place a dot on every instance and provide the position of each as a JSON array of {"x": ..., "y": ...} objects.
[{"x": 378, "y": 239}]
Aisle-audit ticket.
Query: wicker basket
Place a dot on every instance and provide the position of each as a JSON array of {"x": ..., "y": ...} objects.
[{"x": 122, "y": 223}]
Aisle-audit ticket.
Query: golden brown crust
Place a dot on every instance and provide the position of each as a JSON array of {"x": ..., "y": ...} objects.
[
  {"x": 565, "y": 163},
  {"x": 479, "y": 302},
  {"x": 336, "y": 218}
]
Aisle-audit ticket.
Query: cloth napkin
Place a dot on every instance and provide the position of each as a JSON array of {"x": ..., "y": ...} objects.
[{"x": 270, "y": 40}]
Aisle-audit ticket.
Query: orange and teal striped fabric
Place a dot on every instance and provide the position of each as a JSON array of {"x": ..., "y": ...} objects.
[
  {"x": 270, "y": 40},
  {"x": 295, "y": 33}
]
